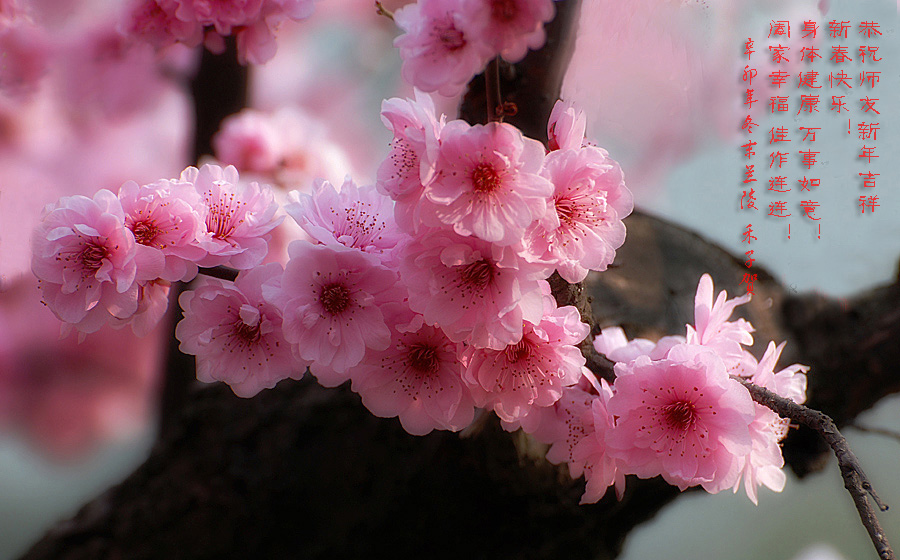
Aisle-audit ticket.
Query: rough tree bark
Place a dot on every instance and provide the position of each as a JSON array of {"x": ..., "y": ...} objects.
[{"x": 305, "y": 472}]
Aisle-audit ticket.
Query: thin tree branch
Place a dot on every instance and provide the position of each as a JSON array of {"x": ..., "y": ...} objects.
[
  {"x": 893, "y": 434},
  {"x": 855, "y": 480},
  {"x": 492, "y": 91}
]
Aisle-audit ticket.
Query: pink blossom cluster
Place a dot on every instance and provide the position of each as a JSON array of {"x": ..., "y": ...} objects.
[
  {"x": 675, "y": 409},
  {"x": 111, "y": 258},
  {"x": 447, "y": 42},
  {"x": 190, "y": 22}
]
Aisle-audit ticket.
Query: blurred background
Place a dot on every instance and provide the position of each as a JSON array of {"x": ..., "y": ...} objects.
[{"x": 83, "y": 109}]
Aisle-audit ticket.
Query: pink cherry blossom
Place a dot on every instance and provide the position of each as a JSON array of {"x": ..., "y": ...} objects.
[
  {"x": 331, "y": 300},
  {"x": 487, "y": 182},
  {"x": 601, "y": 470},
  {"x": 153, "y": 302},
  {"x": 439, "y": 51},
  {"x": 789, "y": 382},
  {"x": 87, "y": 261},
  {"x": 409, "y": 166},
  {"x": 511, "y": 27},
  {"x": 26, "y": 52},
  {"x": 712, "y": 327},
  {"x": 566, "y": 126},
  {"x": 235, "y": 334},
  {"x": 560, "y": 425},
  {"x": 612, "y": 343},
  {"x": 681, "y": 417},
  {"x": 584, "y": 227},
  {"x": 155, "y": 22},
  {"x": 239, "y": 217},
  {"x": 222, "y": 15},
  {"x": 356, "y": 217},
  {"x": 531, "y": 372},
  {"x": 418, "y": 378},
  {"x": 163, "y": 216},
  {"x": 763, "y": 466},
  {"x": 250, "y": 141},
  {"x": 477, "y": 292}
]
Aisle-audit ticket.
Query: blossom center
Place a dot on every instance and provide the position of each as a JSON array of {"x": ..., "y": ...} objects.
[
  {"x": 485, "y": 178},
  {"x": 503, "y": 10},
  {"x": 518, "y": 351},
  {"x": 223, "y": 218},
  {"x": 335, "y": 298},
  {"x": 423, "y": 358},
  {"x": 92, "y": 256},
  {"x": 246, "y": 333},
  {"x": 680, "y": 415},
  {"x": 478, "y": 274},
  {"x": 145, "y": 232},
  {"x": 449, "y": 36}
]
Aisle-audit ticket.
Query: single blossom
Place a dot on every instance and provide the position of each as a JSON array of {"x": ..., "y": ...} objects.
[
  {"x": 601, "y": 470},
  {"x": 511, "y": 27},
  {"x": 87, "y": 262},
  {"x": 487, "y": 182},
  {"x": 439, "y": 50},
  {"x": 763, "y": 466},
  {"x": 239, "y": 217},
  {"x": 477, "y": 292},
  {"x": 531, "y": 372},
  {"x": 236, "y": 334},
  {"x": 250, "y": 141},
  {"x": 712, "y": 327},
  {"x": 409, "y": 167},
  {"x": 681, "y": 417},
  {"x": 584, "y": 227},
  {"x": 332, "y": 300},
  {"x": 418, "y": 378},
  {"x": 164, "y": 217},
  {"x": 566, "y": 126},
  {"x": 354, "y": 217}
]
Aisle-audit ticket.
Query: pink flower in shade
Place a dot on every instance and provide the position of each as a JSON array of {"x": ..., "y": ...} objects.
[
  {"x": 439, "y": 51},
  {"x": 418, "y": 378},
  {"x": 331, "y": 300},
  {"x": 511, "y": 27},
  {"x": 236, "y": 334},
  {"x": 153, "y": 302},
  {"x": 565, "y": 129},
  {"x": 712, "y": 327},
  {"x": 560, "y": 425},
  {"x": 585, "y": 227},
  {"x": 531, "y": 372},
  {"x": 163, "y": 216},
  {"x": 88, "y": 263},
  {"x": 681, "y": 417},
  {"x": 477, "y": 292},
  {"x": 487, "y": 182},
  {"x": 409, "y": 166},
  {"x": 250, "y": 141},
  {"x": 601, "y": 470},
  {"x": 239, "y": 217},
  {"x": 356, "y": 217}
]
